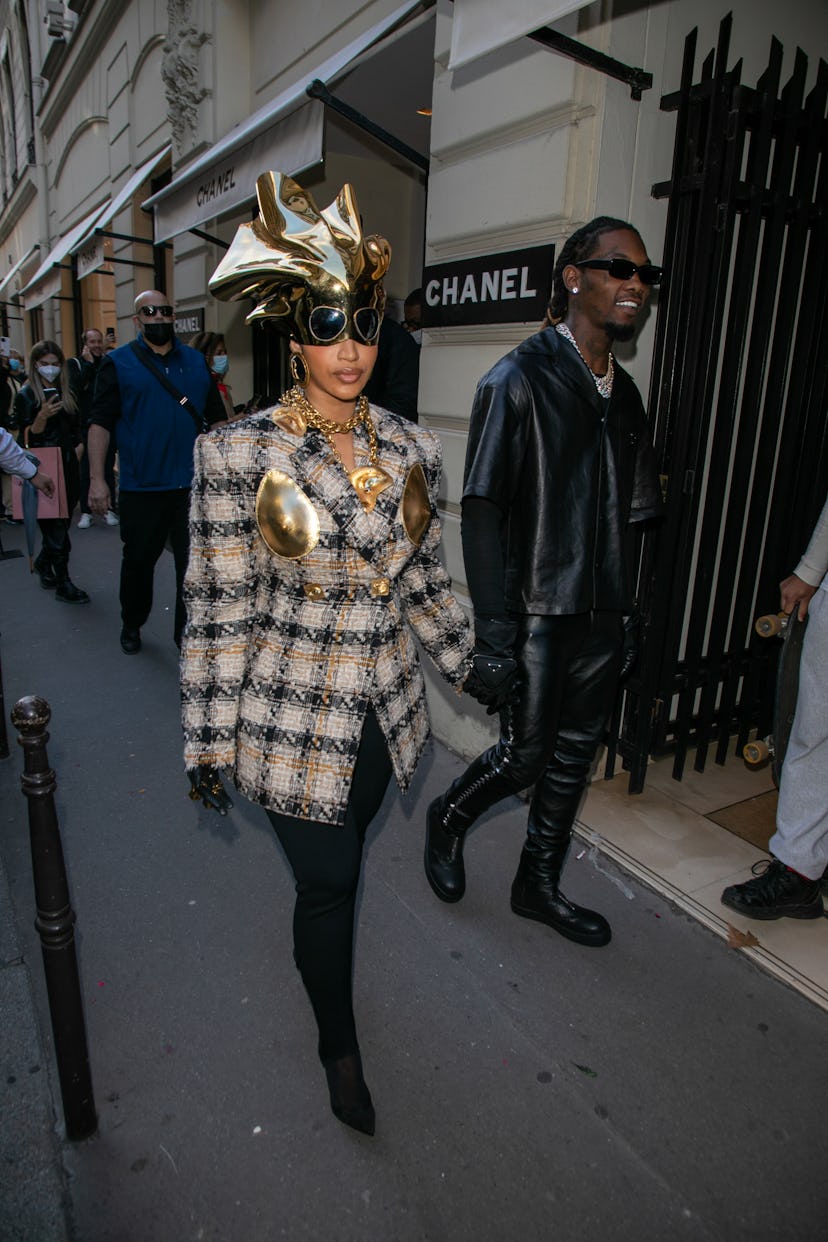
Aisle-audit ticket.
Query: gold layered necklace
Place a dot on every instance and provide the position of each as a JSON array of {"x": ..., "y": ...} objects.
[{"x": 367, "y": 481}]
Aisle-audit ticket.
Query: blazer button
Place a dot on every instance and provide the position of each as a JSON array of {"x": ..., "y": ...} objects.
[
  {"x": 380, "y": 587},
  {"x": 313, "y": 590}
]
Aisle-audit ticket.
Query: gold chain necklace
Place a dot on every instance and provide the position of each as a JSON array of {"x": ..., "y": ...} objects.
[{"x": 367, "y": 481}]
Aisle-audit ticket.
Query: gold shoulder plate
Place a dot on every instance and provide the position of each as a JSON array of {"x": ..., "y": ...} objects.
[
  {"x": 289, "y": 420},
  {"x": 416, "y": 506},
  {"x": 287, "y": 520}
]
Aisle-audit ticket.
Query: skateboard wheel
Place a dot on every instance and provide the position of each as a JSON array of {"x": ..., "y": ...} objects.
[
  {"x": 756, "y": 752},
  {"x": 771, "y": 624}
]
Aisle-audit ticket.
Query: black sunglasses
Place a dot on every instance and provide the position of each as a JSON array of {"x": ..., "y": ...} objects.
[
  {"x": 625, "y": 269},
  {"x": 328, "y": 322},
  {"x": 166, "y": 312}
]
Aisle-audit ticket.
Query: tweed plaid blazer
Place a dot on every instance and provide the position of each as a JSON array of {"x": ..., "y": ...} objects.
[{"x": 282, "y": 657}]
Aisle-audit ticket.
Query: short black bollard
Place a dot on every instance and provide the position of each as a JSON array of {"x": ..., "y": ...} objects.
[{"x": 55, "y": 920}]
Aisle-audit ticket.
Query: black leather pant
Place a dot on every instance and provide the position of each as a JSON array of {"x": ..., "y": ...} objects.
[{"x": 568, "y": 668}]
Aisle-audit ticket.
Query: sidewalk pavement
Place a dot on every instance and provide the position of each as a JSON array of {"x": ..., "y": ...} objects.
[{"x": 525, "y": 1087}]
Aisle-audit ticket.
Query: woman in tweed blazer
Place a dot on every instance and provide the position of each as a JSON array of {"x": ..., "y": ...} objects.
[{"x": 313, "y": 566}]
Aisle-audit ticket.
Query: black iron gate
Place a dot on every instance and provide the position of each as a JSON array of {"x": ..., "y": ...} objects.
[{"x": 739, "y": 396}]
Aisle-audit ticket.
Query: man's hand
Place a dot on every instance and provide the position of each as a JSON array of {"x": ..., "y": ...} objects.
[
  {"x": 792, "y": 592},
  {"x": 43, "y": 483},
  {"x": 493, "y": 677},
  {"x": 493, "y": 682},
  {"x": 99, "y": 498},
  {"x": 206, "y": 787}
]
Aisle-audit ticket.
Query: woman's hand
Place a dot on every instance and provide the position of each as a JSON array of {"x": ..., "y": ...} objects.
[
  {"x": 51, "y": 406},
  {"x": 206, "y": 787}
]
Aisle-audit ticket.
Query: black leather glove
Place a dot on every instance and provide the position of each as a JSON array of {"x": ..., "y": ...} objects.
[
  {"x": 493, "y": 677},
  {"x": 206, "y": 787},
  {"x": 629, "y": 650}
]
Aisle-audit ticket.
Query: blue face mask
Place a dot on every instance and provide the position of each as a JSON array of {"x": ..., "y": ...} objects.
[
  {"x": 15, "y": 364},
  {"x": 220, "y": 364}
]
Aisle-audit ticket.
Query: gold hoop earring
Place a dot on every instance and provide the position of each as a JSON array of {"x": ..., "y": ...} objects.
[{"x": 298, "y": 363}]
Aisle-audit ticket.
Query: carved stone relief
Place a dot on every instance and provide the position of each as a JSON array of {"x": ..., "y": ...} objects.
[{"x": 180, "y": 72}]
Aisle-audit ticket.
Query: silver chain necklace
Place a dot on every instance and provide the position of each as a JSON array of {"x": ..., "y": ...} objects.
[{"x": 602, "y": 382}]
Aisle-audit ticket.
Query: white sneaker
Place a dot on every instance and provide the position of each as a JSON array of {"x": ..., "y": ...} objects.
[
  {"x": 85, "y": 521},
  {"x": 111, "y": 518}
]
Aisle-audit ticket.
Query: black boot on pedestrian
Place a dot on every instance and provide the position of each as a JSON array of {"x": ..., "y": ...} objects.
[
  {"x": 350, "y": 1098},
  {"x": 535, "y": 895},
  {"x": 47, "y": 575},
  {"x": 775, "y": 893},
  {"x": 70, "y": 594},
  {"x": 444, "y": 867},
  {"x": 130, "y": 641}
]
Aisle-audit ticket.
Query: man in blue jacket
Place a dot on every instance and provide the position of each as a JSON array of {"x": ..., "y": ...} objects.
[{"x": 156, "y": 395}]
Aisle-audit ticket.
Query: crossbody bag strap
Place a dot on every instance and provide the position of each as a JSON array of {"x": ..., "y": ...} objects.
[{"x": 141, "y": 354}]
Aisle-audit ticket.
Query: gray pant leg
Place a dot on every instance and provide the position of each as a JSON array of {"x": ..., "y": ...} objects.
[{"x": 801, "y": 837}]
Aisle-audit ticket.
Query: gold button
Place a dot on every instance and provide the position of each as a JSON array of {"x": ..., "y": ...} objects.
[
  {"x": 313, "y": 590},
  {"x": 380, "y": 586}
]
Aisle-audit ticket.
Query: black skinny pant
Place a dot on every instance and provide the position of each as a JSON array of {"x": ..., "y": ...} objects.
[
  {"x": 56, "y": 544},
  {"x": 326, "y": 861},
  {"x": 148, "y": 521},
  {"x": 568, "y": 668}
]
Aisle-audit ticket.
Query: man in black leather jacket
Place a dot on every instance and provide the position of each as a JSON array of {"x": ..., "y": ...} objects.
[{"x": 559, "y": 467}]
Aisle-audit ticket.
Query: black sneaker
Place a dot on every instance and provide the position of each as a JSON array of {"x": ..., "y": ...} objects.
[{"x": 776, "y": 893}]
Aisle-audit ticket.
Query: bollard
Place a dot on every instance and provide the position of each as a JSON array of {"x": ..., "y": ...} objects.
[{"x": 55, "y": 920}]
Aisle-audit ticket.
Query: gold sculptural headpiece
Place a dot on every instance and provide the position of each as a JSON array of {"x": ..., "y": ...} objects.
[{"x": 311, "y": 273}]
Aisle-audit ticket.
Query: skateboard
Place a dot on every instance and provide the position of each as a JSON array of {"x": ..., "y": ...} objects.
[{"x": 792, "y": 629}]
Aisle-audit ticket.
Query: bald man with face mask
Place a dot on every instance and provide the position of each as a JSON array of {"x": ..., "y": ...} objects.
[{"x": 155, "y": 396}]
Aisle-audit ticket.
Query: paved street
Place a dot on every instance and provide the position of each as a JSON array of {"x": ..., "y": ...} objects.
[{"x": 526, "y": 1088}]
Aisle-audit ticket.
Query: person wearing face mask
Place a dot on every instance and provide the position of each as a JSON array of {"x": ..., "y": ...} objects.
[
  {"x": 155, "y": 395},
  {"x": 46, "y": 415},
  {"x": 211, "y": 344},
  {"x": 9, "y": 387}
]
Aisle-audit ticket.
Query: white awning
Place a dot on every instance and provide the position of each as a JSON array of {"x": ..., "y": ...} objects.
[
  {"x": 480, "y": 26},
  {"x": 286, "y": 135},
  {"x": 6, "y": 282},
  {"x": 46, "y": 281},
  {"x": 90, "y": 249}
]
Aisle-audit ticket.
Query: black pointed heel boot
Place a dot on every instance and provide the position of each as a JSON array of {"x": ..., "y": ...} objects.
[
  {"x": 444, "y": 866},
  {"x": 535, "y": 895},
  {"x": 350, "y": 1098}
]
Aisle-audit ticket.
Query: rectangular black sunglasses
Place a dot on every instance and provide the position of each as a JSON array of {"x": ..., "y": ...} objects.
[
  {"x": 624, "y": 269},
  {"x": 152, "y": 311}
]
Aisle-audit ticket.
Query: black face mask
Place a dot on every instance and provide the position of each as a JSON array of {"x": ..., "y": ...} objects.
[{"x": 158, "y": 333}]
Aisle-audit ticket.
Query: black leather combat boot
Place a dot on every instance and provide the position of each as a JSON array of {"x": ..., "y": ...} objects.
[{"x": 535, "y": 895}]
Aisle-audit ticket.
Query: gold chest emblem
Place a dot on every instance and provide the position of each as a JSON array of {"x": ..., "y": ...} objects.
[
  {"x": 416, "y": 507},
  {"x": 287, "y": 520}
]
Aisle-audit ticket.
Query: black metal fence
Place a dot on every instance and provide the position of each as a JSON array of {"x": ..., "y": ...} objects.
[{"x": 739, "y": 397}]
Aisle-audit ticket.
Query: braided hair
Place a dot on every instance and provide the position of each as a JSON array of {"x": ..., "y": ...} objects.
[{"x": 577, "y": 247}]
